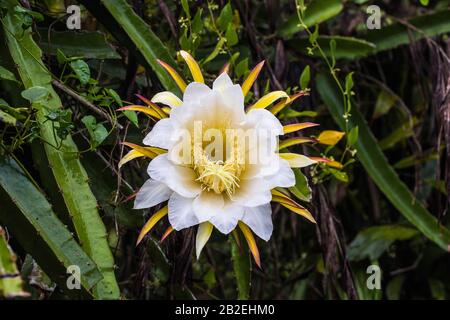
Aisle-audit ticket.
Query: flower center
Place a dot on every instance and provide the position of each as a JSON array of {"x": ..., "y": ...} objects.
[{"x": 218, "y": 176}]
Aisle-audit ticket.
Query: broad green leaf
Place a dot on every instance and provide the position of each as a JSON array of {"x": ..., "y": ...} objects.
[
  {"x": 29, "y": 217},
  {"x": 346, "y": 47},
  {"x": 127, "y": 27},
  {"x": 377, "y": 166},
  {"x": 81, "y": 70},
  {"x": 64, "y": 162},
  {"x": 392, "y": 36},
  {"x": 372, "y": 242},
  {"x": 316, "y": 12},
  {"x": 86, "y": 45},
  {"x": 242, "y": 268},
  {"x": 364, "y": 293}
]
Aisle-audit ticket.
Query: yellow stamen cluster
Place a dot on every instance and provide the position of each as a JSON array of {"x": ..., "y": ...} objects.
[{"x": 218, "y": 176}]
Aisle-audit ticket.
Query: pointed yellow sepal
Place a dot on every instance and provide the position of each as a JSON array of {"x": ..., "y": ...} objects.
[
  {"x": 251, "y": 242},
  {"x": 294, "y": 141},
  {"x": 298, "y": 126},
  {"x": 285, "y": 102},
  {"x": 147, "y": 110},
  {"x": 203, "y": 234},
  {"x": 153, "y": 106},
  {"x": 268, "y": 99},
  {"x": 167, "y": 98},
  {"x": 149, "y": 152},
  {"x": 175, "y": 76},
  {"x": 290, "y": 204},
  {"x": 133, "y": 154},
  {"x": 297, "y": 160},
  {"x": 248, "y": 83},
  {"x": 151, "y": 223},
  {"x": 193, "y": 66}
]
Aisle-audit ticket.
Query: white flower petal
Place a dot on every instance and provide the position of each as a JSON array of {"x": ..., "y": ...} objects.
[
  {"x": 181, "y": 214},
  {"x": 167, "y": 98},
  {"x": 151, "y": 193},
  {"x": 252, "y": 193},
  {"x": 285, "y": 177},
  {"x": 180, "y": 179},
  {"x": 259, "y": 219},
  {"x": 223, "y": 81},
  {"x": 203, "y": 234},
  {"x": 194, "y": 92},
  {"x": 160, "y": 135},
  {"x": 207, "y": 204},
  {"x": 264, "y": 119},
  {"x": 226, "y": 219}
]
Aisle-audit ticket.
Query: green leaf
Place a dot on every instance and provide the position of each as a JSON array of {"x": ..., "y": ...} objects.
[
  {"x": 241, "y": 68},
  {"x": 231, "y": 35},
  {"x": 216, "y": 51},
  {"x": 35, "y": 94},
  {"x": 374, "y": 241},
  {"x": 97, "y": 132},
  {"x": 225, "y": 17},
  {"x": 242, "y": 268},
  {"x": 377, "y": 166},
  {"x": 301, "y": 190},
  {"x": 305, "y": 77},
  {"x": 346, "y": 47},
  {"x": 11, "y": 285},
  {"x": 64, "y": 162},
  {"x": 29, "y": 217},
  {"x": 127, "y": 27},
  {"x": 185, "y": 5},
  {"x": 317, "y": 12},
  {"x": 352, "y": 136},
  {"x": 6, "y": 74},
  {"x": 81, "y": 70},
  {"x": 86, "y": 45}
]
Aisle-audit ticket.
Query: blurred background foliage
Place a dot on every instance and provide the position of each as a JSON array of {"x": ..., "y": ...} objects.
[{"x": 63, "y": 200}]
